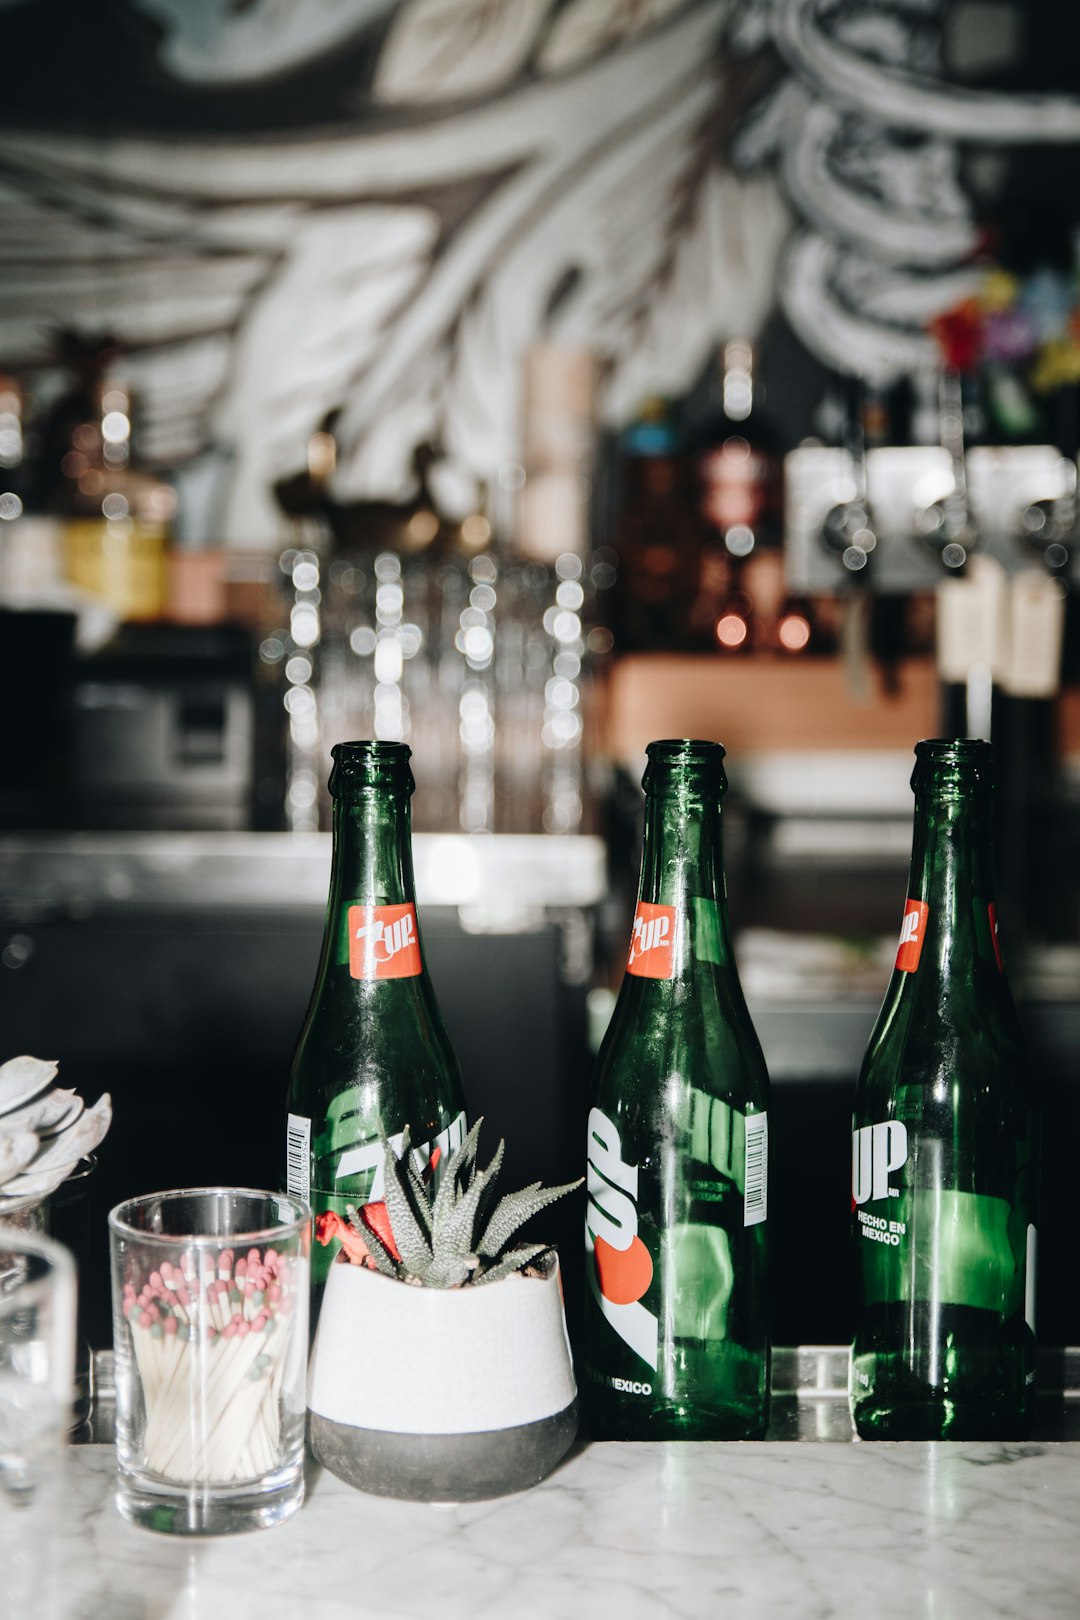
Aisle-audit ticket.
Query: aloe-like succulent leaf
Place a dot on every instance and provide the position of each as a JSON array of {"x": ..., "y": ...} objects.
[
  {"x": 449, "y": 1271},
  {"x": 457, "y": 1235},
  {"x": 384, "y": 1262},
  {"x": 512, "y": 1261},
  {"x": 489, "y": 1197},
  {"x": 408, "y": 1230},
  {"x": 514, "y": 1210},
  {"x": 456, "y": 1170},
  {"x": 419, "y": 1201}
]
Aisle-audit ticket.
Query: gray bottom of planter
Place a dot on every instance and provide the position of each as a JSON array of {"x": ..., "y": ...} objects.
[{"x": 443, "y": 1467}]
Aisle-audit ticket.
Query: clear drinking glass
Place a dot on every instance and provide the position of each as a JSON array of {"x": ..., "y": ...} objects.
[
  {"x": 37, "y": 1369},
  {"x": 210, "y": 1311}
]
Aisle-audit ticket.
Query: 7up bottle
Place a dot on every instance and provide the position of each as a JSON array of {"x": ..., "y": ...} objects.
[
  {"x": 373, "y": 1052},
  {"x": 945, "y": 1145},
  {"x": 675, "y": 1343}
]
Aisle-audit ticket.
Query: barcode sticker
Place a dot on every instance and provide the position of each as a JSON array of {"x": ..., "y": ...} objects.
[
  {"x": 756, "y": 1182},
  {"x": 298, "y": 1157}
]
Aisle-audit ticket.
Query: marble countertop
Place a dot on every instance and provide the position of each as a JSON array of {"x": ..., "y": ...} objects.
[{"x": 810, "y": 1531}]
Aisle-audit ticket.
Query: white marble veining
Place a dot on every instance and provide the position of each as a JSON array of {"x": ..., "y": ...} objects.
[{"x": 810, "y": 1531}]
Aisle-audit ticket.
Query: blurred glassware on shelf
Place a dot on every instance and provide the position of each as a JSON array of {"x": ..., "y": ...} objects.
[{"x": 419, "y": 621}]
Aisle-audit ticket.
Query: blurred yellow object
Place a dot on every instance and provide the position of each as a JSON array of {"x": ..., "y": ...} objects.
[
  {"x": 1057, "y": 364},
  {"x": 119, "y": 561},
  {"x": 999, "y": 290}
]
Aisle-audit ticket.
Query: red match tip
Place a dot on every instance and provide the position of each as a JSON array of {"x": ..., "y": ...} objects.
[{"x": 170, "y": 1325}]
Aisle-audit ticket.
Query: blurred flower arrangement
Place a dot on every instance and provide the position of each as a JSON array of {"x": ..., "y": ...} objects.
[{"x": 1020, "y": 336}]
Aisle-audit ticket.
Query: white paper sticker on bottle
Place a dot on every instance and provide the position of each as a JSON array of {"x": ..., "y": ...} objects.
[
  {"x": 756, "y": 1180},
  {"x": 298, "y": 1157}
]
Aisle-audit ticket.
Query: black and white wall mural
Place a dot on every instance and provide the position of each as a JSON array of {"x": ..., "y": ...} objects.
[{"x": 287, "y": 210}]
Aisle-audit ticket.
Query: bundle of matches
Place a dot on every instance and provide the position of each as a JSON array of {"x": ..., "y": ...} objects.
[{"x": 211, "y": 1339}]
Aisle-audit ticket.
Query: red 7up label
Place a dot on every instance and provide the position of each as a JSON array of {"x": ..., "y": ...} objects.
[
  {"x": 383, "y": 942},
  {"x": 911, "y": 935},
  {"x": 652, "y": 942}
]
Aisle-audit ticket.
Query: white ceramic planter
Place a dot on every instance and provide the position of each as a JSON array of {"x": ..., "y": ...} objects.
[{"x": 440, "y": 1394}]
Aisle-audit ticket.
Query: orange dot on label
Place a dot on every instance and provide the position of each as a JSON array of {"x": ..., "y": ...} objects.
[{"x": 623, "y": 1274}]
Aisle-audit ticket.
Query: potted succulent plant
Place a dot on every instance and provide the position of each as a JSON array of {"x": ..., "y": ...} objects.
[{"x": 441, "y": 1369}]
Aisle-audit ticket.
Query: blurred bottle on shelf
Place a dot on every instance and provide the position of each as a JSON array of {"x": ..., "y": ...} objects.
[
  {"x": 740, "y": 503},
  {"x": 115, "y": 513},
  {"x": 30, "y": 560},
  {"x": 657, "y": 534}
]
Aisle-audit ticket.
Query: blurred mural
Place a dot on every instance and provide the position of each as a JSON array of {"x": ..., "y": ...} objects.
[
  {"x": 292, "y": 212},
  {"x": 289, "y": 212}
]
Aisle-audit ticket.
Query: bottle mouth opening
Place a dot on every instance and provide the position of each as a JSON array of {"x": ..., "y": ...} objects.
[
  {"x": 949, "y": 748},
  {"x": 685, "y": 750},
  {"x": 369, "y": 765},
  {"x": 670, "y": 757},
  {"x": 954, "y": 761}
]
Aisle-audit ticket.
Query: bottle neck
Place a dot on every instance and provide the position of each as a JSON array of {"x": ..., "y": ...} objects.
[
  {"x": 680, "y": 924},
  {"x": 682, "y": 853},
  {"x": 952, "y": 876},
  {"x": 372, "y": 848}
]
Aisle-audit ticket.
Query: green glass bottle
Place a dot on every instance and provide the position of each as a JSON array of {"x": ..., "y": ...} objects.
[
  {"x": 945, "y": 1144},
  {"x": 675, "y": 1341},
  {"x": 373, "y": 1051}
]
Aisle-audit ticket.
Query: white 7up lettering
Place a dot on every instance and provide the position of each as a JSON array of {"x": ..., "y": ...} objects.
[
  {"x": 369, "y": 1155},
  {"x": 392, "y": 937},
  {"x": 647, "y": 934},
  {"x": 876, "y": 1151},
  {"x": 611, "y": 1231}
]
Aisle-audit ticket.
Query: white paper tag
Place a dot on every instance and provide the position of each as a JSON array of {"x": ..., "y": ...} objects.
[
  {"x": 972, "y": 621},
  {"x": 1037, "y": 629}
]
